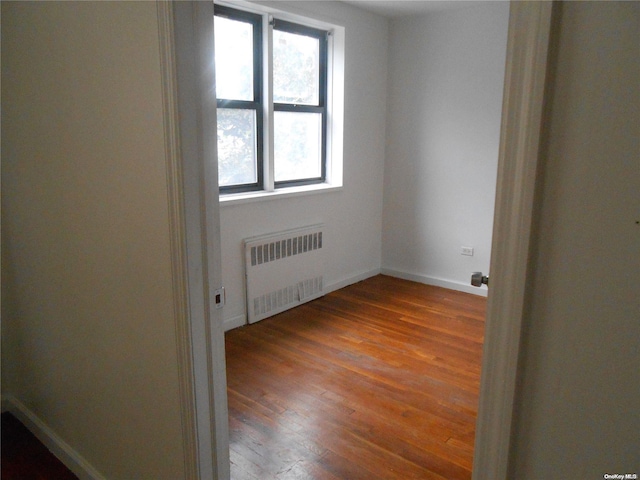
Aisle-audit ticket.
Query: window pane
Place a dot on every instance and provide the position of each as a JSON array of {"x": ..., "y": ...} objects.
[
  {"x": 234, "y": 59},
  {"x": 296, "y": 77},
  {"x": 297, "y": 145},
  {"x": 237, "y": 163}
]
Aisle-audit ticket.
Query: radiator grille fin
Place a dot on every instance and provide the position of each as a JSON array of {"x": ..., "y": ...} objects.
[
  {"x": 275, "y": 250},
  {"x": 288, "y": 296}
]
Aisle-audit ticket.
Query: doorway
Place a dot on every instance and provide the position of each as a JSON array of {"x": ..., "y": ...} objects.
[{"x": 511, "y": 232}]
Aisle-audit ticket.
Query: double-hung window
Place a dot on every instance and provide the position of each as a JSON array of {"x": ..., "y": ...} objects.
[{"x": 272, "y": 102}]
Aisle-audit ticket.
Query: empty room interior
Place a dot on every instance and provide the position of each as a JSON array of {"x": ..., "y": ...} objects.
[
  {"x": 161, "y": 320},
  {"x": 423, "y": 99}
]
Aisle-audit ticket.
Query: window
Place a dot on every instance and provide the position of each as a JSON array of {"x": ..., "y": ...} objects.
[
  {"x": 273, "y": 111},
  {"x": 238, "y": 60}
]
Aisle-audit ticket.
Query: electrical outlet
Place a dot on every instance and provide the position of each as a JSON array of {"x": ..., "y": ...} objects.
[
  {"x": 467, "y": 251},
  {"x": 220, "y": 297}
]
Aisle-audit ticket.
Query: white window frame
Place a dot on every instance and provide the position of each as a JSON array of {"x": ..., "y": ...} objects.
[{"x": 335, "y": 107}]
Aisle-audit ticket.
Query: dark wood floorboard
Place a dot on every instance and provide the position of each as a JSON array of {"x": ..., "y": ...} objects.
[
  {"x": 379, "y": 380},
  {"x": 24, "y": 457}
]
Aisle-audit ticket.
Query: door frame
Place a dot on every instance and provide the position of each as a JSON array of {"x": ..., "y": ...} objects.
[{"x": 186, "y": 33}]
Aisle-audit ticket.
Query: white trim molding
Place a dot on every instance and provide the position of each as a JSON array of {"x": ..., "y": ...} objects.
[
  {"x": 241, "y": 320},
  {"x": 345, "y": 282},
  {"x": 186, "y": 34},
  {"x": 61, "y": 449},
  {"x": 176, "y": 222},
  {"x": 234, "y": 322},
  {"x": 524, "y": 93},
  {"x": 437, "y": 282}
]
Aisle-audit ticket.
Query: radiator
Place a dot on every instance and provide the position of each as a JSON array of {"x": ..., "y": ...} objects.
[{"x": 283, "y": 270}]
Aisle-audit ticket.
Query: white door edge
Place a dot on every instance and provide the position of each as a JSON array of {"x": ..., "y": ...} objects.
[{"x": 523, "y": 102}]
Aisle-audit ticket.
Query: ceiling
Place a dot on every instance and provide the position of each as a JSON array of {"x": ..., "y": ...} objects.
[{"x": 400, "y": 8}]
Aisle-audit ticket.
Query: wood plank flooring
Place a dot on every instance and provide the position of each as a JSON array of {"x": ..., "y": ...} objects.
[{"x": 378, "y": 380}]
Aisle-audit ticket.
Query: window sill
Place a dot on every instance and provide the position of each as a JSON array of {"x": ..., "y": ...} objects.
[{"x": 259, "y": 196}]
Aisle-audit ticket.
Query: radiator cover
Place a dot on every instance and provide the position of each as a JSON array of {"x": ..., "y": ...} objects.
[{"x": 283, "y": 270}]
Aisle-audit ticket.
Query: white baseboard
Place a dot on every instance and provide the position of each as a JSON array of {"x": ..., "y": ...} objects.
[
  {"x": 351, "y": 280},
  {"x": 241, "y": 320},
  {"x": 437, "y": 282},
  {"x": 234, "y": 322},
  {"x": 61, "y": 449}
]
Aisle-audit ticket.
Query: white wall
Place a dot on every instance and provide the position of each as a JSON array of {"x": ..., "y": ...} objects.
[
  {"x": 446, "y": 76},
  {"x": 88, "y": 335},
  {"x": 579, "y": 378},
  {"x": 353, "y": 215}
]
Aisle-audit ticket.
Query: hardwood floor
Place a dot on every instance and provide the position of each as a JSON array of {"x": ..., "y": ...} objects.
[{"x": 378, "y": 380}]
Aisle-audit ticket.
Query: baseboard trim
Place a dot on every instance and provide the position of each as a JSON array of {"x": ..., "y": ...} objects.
[
  {"x": 234, "y": 322},
  {"x": 241, "y": 320},
  {"x": 437, "y": 282},
  {"x": 351, "y": 280},
  {"x": 61, "y": 449}
]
